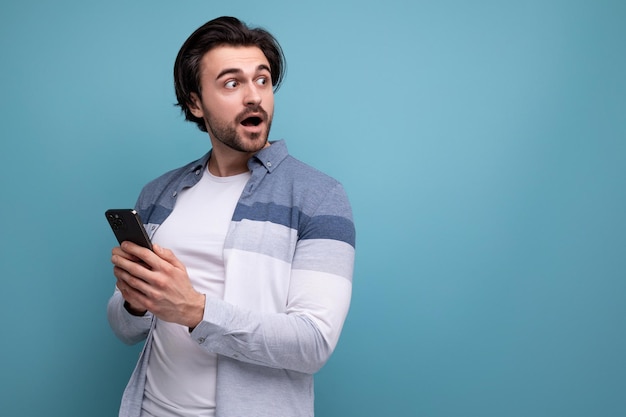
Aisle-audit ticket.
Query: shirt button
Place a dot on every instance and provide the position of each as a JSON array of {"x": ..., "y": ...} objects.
[
  {"x": 174, "y": 193},
  {"x": 269, "y": 164},
  {"x": 201, "y": 340}
]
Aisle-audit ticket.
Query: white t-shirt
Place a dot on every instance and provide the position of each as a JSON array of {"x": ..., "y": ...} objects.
[{"x": 181, "y": 376}]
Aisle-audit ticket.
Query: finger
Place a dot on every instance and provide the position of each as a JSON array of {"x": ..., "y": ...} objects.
[
  {"x": 131, "y": 264},
  {"x": 122, "y": 266},
  {"x": 128, "y": 281},
  {"x": 168, "y": 255},
  {"x": 121, "y": 252},
  {"x": 134, "y": 298},
  {"x": 141, "y": 253}
]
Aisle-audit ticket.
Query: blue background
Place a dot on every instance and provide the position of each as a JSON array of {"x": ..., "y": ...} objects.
[{"x": 482, "y": 145}]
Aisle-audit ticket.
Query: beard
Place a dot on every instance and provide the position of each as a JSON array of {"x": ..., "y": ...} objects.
[{"x": 226, "y": 132}]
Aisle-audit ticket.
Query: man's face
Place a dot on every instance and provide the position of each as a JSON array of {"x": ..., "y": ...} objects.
[{"x": 237, "y": 99}]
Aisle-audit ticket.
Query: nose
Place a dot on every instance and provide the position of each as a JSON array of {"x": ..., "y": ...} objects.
[{"x": 252, "y": 96}]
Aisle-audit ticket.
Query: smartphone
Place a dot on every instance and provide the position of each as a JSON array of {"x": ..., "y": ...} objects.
[{"x": 127, "y": 226}]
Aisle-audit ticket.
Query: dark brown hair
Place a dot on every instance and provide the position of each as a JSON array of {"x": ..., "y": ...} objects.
[{"x": 223, "y": 31}]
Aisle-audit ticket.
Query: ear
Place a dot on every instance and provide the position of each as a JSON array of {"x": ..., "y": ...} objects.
[{"x": 195, "y": 106}]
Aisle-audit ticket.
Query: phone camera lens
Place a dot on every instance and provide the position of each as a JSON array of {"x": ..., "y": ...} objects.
[{"x": 117, "y": 223}]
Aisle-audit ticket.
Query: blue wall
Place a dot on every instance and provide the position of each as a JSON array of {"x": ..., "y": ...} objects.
[{"x": 483, "y": 145}]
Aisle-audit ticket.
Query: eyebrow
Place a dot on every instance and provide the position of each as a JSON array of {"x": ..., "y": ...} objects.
[{"x": 238, "y": 71}]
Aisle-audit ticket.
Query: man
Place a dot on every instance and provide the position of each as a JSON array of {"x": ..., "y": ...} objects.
[{"x": 249, "y": 299}]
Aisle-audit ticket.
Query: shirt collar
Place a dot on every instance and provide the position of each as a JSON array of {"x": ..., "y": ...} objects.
[{"x": 269, "y": 157}]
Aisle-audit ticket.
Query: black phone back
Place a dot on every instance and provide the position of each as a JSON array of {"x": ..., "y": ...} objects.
[{"x": 127, "y": 226}]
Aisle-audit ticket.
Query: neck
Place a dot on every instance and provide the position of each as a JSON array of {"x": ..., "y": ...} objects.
[
  {"x": 228, "y": 165},
  {"x": 226, "y": 161}
]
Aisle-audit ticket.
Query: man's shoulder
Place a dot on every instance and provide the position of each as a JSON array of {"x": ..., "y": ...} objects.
[
  {"x": 176, "y": 173},
  {"x": 296, "y": 183},
  {"x": 287, "y": 169},
  {"x": 305, "y": 173},
  {"x": 172, "y": 181}
]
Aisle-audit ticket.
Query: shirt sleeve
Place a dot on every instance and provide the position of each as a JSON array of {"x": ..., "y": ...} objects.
[
  {"x": 128, "y": 328},
  {"x": 304, "y": 335}
]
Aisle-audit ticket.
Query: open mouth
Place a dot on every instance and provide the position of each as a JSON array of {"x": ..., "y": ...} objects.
[{"x": 252, "y": 121}]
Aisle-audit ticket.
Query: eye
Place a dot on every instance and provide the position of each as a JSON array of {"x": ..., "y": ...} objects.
[
  {"x": 231, "y": 84},
  {"x": 262, "y": 81}
]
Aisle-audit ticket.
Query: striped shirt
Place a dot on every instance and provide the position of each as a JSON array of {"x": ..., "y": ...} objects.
[{"x": 288, "y": 257}]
